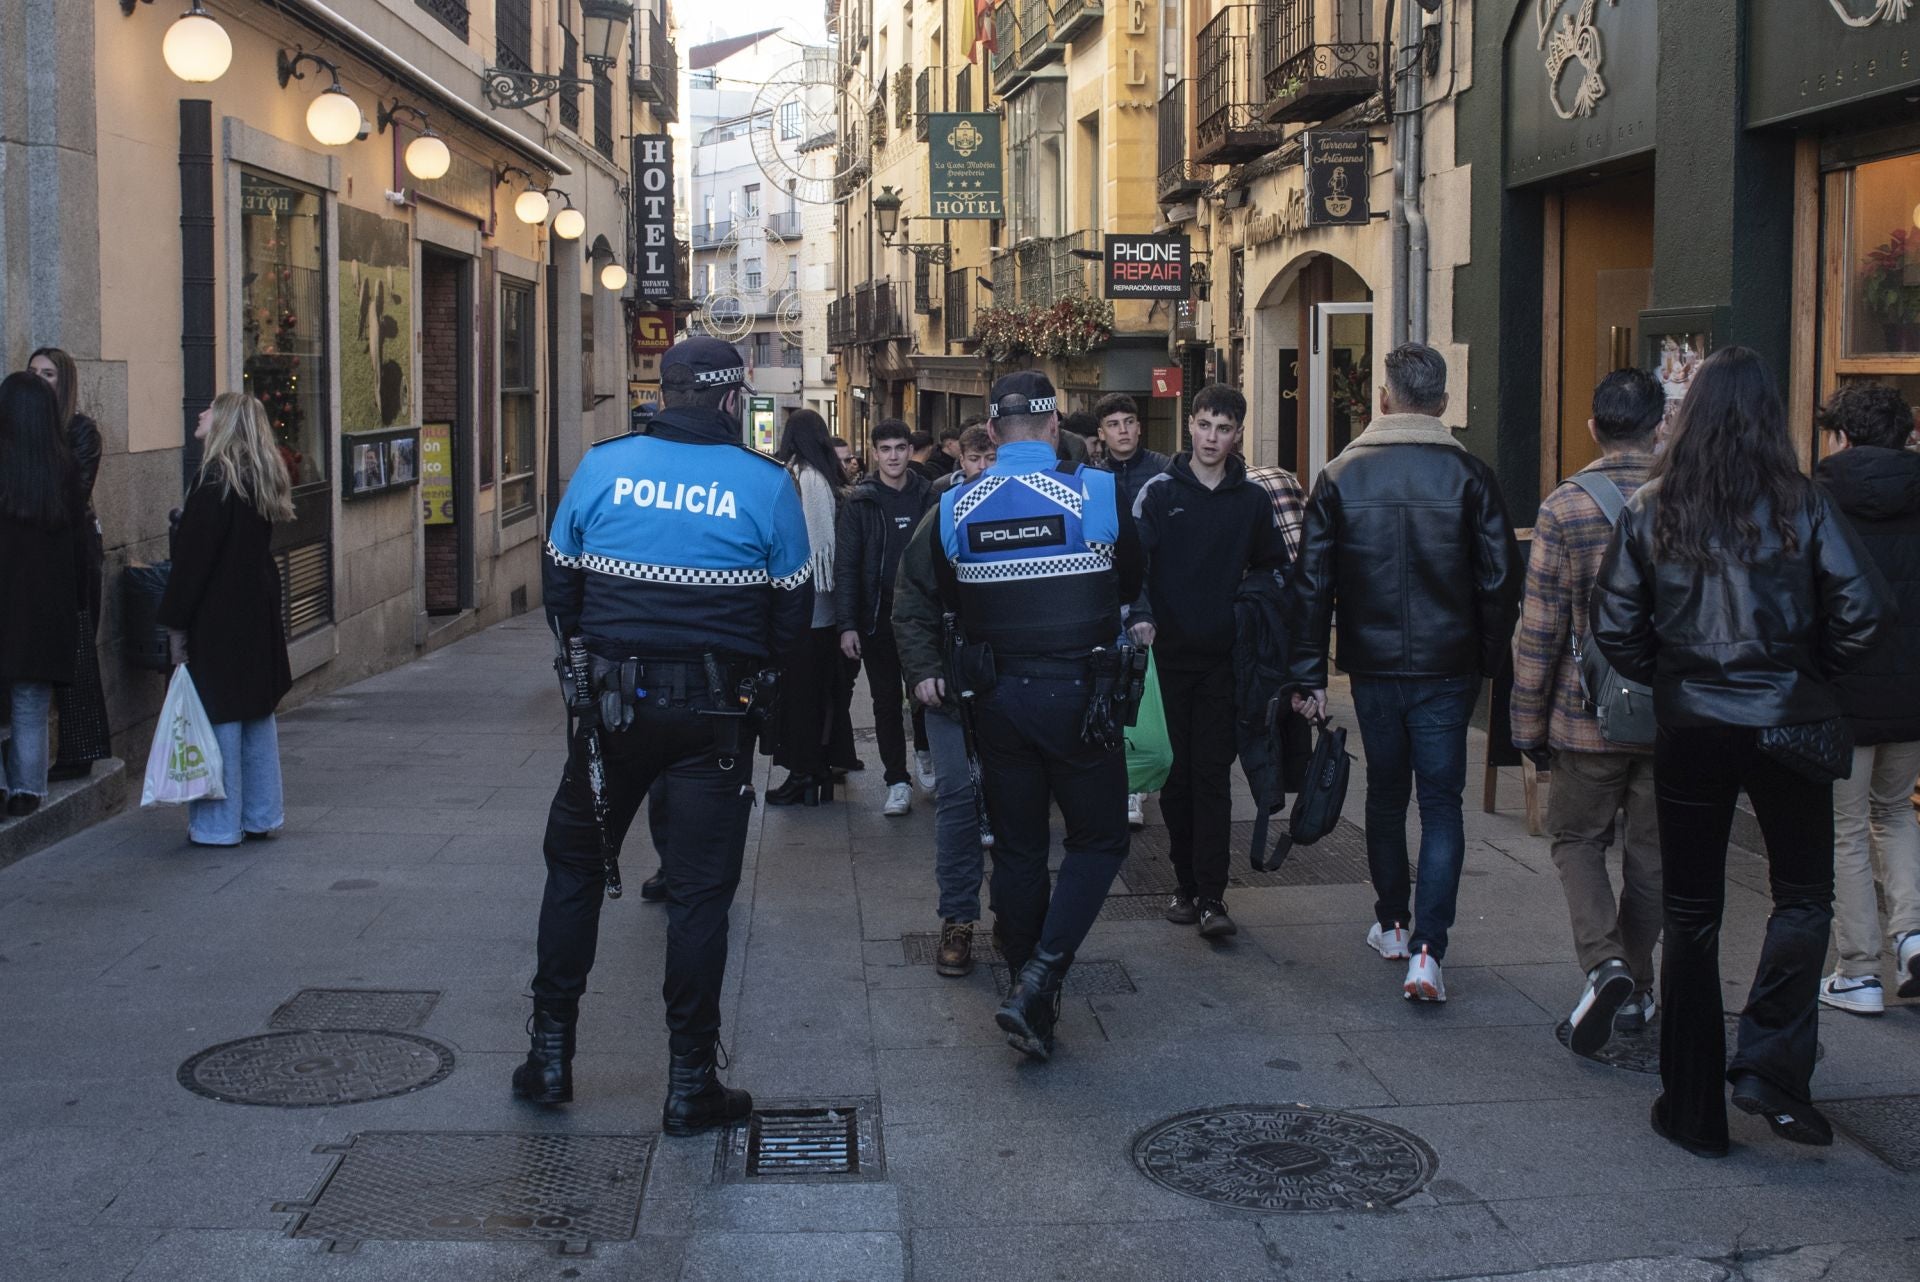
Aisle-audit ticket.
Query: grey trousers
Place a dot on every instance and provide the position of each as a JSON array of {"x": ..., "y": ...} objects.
[{"x": 1589, "y": 790}]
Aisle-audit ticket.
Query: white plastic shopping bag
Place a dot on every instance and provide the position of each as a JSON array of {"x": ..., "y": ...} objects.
[{"x": 184, "y": 763}]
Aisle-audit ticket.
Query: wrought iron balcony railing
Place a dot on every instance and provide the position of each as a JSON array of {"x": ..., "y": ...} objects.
[
  {"x": 963, "y": 89},
  {"x": 1038, "y": 44},
  {"x": 1071, "y": 17},
  {"x": 872, "y": 313},
  {"x": 958, "y": 308},
  {"x": 1315, "y": 62},
  {"x": 922, "y": 102},
  {"x": 708, "y": 234},
  {"x": 1008, "y": 75},
  {"x": 1047, "y": 270},
  {"x": 785, "y": 224},
  {"x": 656, "y": 67},
  {"x": 1179, "y": 177},
  {"x": 1227, "y": 99},
  {"x": 451, "y": 12}
]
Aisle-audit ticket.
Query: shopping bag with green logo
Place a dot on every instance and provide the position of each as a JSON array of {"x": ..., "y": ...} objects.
[
  {"x": 184, "y": 762},
  {"x": 1149, "y": 751}
]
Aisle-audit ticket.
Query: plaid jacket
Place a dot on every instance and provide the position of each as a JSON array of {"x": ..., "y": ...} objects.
[
  {"x": 1569, "y": 539},
  {"x": 1289, "y": 503}
]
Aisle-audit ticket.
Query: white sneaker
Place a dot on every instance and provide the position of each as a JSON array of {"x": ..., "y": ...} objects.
[
  {"x": 1136, "y": 817},
  {"x": 1390, "y": 944},
  {"x": 1855, "y": 994},
  {"x": 1908, "y": 949},
  {"x": 923, "y": 761},
  {"x": 1423, "y": 979},
  {"x": 1609, "y": 985},
  {"x": 899, "y": 800}
]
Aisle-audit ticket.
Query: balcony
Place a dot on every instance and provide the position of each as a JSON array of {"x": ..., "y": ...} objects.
[
  {"x": 1047, "y": 270},
  {"x": 785, "y": 225},
  {"x": 877, "y": 120},
  {"x": 1038, "y": 44},
  {"x": 902, "y": 98},
  {"x": 1071, "y": 17},
  {"x": 872, "y": 313},
  {"x": 707, "y": 235},
  {"x": 656, "y": 67},
  {"x": 1180, "y": 178},
  {"x": 922, "y": 103},
  {"x": 1315, "y": 63},
  {"x": 963, "y": 89},
  {"x": 854, "y": 165},
  {"x": 1008, "y": 75},
  {"x": 452, "y": 13},
  {"x": 958, "y": 310},
  {"x": 1227, "y": 101}
]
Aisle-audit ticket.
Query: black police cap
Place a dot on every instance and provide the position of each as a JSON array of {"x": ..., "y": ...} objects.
[
  {"x": 703, "y": 362},
  {"x": 1026, "y": 392}
]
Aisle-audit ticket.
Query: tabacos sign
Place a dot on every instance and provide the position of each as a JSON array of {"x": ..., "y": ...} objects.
[{"x": 1148, "y": 267}]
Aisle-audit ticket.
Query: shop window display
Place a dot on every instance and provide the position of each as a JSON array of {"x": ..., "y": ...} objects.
[
  {"x": 284, "y": 308},
  {"x": 1883, "y": 241}
]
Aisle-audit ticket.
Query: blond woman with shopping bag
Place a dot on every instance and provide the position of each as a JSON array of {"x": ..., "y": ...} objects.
[{"x": 222, "y": 611}]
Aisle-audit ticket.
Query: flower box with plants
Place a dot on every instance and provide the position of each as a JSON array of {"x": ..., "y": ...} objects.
[{"x": 1068, "y": 327}]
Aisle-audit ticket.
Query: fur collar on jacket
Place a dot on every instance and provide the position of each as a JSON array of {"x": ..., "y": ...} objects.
[{"x": 1407, "y": 429}]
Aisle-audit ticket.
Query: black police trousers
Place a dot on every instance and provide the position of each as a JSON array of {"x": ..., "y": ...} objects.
[
  {"x": 712, "y": 802},
  {"x": 1031, "y": 757}
]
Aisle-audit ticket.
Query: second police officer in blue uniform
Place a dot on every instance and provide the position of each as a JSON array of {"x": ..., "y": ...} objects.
[
  {"x": 1038, "y": 556},
  {"x": 681, "y": 558}
]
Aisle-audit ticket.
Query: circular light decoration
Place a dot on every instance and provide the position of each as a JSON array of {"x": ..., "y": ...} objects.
[
  {"x": 614, "y": 277},
  {"x": 428, "y": 157},
  {"x": 333, "y": 117},
  {"x": 570, "y": 224},
  {"x": 531, "y": 207},
  {"x": 196, "y": 48}
]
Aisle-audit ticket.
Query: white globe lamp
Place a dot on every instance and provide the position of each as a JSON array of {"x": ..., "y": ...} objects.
[
  {"x": 333, "y": 117},
  {"x": 569, "y": 224},
  {"x": 531, "y": 207},
  {"x": 428, "y": 158},
  {"x": 196, "y": 48},
  {"x": 614, "y": 277}
]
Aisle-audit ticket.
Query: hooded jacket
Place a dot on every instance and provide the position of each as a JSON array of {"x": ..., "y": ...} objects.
[
  {"x": 1878, "y": 490},
  {"x": 860, "y": 549},
  {"x": 1199, "y": 543},
  {"x": 1134, "y": 471}
]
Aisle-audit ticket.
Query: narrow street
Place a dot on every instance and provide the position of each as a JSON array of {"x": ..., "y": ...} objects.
[{"x": 410, "y": 865}]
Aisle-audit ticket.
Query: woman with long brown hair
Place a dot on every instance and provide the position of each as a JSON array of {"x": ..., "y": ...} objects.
[
  {"x": 42, "y": 558},
  {"x": 1736, "y": 592},
  {"x": 222, "y": 610},
  {"x": 85, "y": 736},
  {"x": 815, "y": 684}
]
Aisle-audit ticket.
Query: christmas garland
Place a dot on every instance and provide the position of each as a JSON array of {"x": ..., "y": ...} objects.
[{"x": 1065, "y": 328}]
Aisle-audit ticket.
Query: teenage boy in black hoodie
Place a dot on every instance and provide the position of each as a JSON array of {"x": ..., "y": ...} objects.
[
  {"x": 1203, "y": 527},
  {"x": 873, "y": 529}
]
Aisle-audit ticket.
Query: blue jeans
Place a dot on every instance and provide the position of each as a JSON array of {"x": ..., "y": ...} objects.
[
  {"x": 1415, "y": 731},
  {"x": 958, "y": 861},
  {"x": 250, "y": 769},
  {"x": 27, "y": 747}
]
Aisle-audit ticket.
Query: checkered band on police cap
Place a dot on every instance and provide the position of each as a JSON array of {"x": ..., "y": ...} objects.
[
  {"x": 710, "y": 362},
  {"x": 1027, "y": 392}
]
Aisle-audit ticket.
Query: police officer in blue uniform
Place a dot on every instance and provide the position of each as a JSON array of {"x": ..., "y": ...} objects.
[
  {"x": 1038, "y": 556},
  {"x": 681, "y": 558}
]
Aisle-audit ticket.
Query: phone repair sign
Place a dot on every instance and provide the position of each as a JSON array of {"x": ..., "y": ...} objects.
[{"x": 1149, "y": 267}]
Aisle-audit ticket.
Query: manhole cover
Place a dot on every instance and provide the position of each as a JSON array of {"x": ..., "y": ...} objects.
[
  {"x": 1887, "y": 1126},
  {"x": 430, "y": 1186},
  {"x": 316, "y": 1068},
  {"x": 792, "y": 1141},
  {"x": 1267, "y": 1157},
  {"x": 355, "y": 1008},
  {"x": 1640, "y": 1052},
  {"x": 1338, "y": 859},
  {"x": 1084, "y": 979}
]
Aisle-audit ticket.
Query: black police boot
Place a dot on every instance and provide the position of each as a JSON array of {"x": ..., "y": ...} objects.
[
  {"x": 654, "y": 888},
  {"x": 547, "y": 1075},
  {"x": 696, "y": 1101},
  {"x": 1033, "y": 1007}
]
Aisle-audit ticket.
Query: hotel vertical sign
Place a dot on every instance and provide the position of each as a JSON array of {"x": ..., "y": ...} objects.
[
  {"x": 964, "y": 176},
  {"x": 653, "y": 255}
]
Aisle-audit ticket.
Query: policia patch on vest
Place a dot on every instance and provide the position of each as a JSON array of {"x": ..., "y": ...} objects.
[{"x": 1012, "y": 536}]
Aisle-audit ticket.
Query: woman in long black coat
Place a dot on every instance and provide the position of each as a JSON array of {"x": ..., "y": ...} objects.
[
  {"x": 85, "y": 736},
  {"x": 42, "y": 560},
  {"x": 222, "y": 611}
]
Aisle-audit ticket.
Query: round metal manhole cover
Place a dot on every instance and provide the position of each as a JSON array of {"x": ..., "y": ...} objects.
[
  {"x": 1640, "y": 1052},
  {"x": 316, "y": 1068},
  {"x": 1267, "y": 1157}
]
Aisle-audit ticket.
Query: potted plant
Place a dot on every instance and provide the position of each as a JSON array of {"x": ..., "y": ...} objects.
[{"x": 1886, "y": 291}]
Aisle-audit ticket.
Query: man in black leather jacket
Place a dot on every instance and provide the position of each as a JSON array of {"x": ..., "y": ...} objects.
[{"x": 1407, "y": 544}]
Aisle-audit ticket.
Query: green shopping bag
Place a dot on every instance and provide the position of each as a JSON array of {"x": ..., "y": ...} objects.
[{"x": 1149, "y": 751}]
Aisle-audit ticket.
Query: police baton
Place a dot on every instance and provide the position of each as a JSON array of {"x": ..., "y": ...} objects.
[{"x": 589, "y": 726}]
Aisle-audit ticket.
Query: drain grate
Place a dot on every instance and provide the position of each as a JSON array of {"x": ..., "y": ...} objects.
[
  {"x": 1640, "y": 1052},
  {"x": 437, "y": 1186},
  {"x": 316, "y": 1068},
  {"x": 1265, "y": 1157},
  {"x": 1887, "y": 1126},
  {"x": 355, "y": 1008},
  {"x": 1084, "y": 979},
  {"x": 797, "y": 1141},
  {"x": 1133, "y": 908},
  {"x": 1338, "y": 859}
]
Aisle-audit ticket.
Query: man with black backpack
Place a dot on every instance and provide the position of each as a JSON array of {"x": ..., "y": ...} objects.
[{"x": 1573, "y": 713}]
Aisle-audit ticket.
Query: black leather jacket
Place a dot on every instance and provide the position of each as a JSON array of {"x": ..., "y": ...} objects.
[
  {"x": 1738, "y": 644},
  {"x": 1409, "y": 547}
]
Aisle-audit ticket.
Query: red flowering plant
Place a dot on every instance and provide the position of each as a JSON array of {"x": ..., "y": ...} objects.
[
  {"x": 1884, "y": 286},
  {"x": 1068, "y": 327}
]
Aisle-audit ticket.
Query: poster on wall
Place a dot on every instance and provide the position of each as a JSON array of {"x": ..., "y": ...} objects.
[
  {"x": 654, "y": 253},
  {"x": 964, "y": 177},
  {"x": 376, "y": 322},
  {"x": 436, "y": 473}
]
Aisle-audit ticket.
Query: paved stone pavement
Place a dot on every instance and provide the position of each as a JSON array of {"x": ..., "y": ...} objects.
[{"x": 411, "y": 862}]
